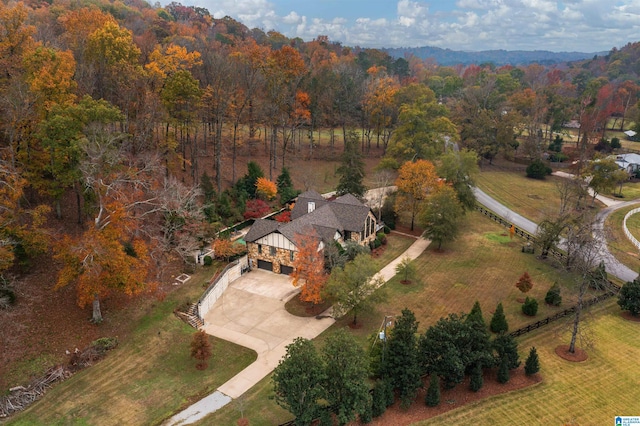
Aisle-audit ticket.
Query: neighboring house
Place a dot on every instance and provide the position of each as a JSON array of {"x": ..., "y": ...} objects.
[
  {"x": 271, "y": 245},
  {"x": 629, "y": 162},
  {"x": 631, "y": 135}
]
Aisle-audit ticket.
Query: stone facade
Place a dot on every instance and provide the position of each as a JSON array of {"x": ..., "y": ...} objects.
[{"x": 281, "y": 256}]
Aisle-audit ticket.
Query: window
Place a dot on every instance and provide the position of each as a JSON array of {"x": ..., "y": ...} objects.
[
  {"x": 311, "y": 206},
  {"x": 291, "y": 254},
  {"x": 272, "y": 251},
  {"x": 347, "y": 235},
  {"x": 259, "y": 248}
]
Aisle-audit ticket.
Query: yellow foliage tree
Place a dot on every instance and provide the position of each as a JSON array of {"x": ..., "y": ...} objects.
[
  {"x": 416, "y": 180},
  {"x": 309, "y": 269},
  {"x": 266, "y": 188}
]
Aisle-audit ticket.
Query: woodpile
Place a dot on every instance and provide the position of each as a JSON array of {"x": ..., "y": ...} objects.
[{"x": 20, "y": 397}]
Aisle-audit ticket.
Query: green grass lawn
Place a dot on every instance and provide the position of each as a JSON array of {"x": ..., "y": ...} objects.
[
  {"x": 532, "y": 198},
  {"x": 145, "y": 379},
  {"x": 483, "y": 264},
  {"x": 618, "y": 243},
  {"x": 630, "y": 191},
  {"x": 588, "y": 393}
]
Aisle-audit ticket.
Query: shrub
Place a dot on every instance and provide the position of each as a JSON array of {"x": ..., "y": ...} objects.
[
  {"x": 376, "y": 243},
  {"x": 379, "y": 399},
  {"x": 498, "y": 322},
  {"x": 629, "y": 297},
  {"x": 477, "y": 381},
  {"x": 382, "y": 237},
  {"x": 208, "y": 260},
  {"x": 386, "y": 229},
  {"x": 201, "y": 349},
  {"x": 558, "y": 157},
  {"x": 530, "y": 307},
  {"x": 538, "y": 170},
  {"x": 615, "y": 143},
  {"x": 432, "y": 398},
  {"x": 104, "y": 344},
  {"x": 553, "y": 297},
  {"x": 532, "y": 365},
  {"x": 524, "y": 283},
  {"x": 503, "y": 371}
]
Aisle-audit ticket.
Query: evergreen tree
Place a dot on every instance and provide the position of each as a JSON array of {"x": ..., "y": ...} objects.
[
  {"x": 506, "y": 348},
  {"x": 477, "y": 381},
  {"x": 352, "y": 169},
  {"x": 247, "y": 183},
  {"x": 432, "y": 398},
  {"x": 379, "y": 402},
  {"x": 475, "y": 318},
  {"x": 530, "y": 307},
  {"x": 532, "y": 365},
  {"x": 629, "y": 297},
  {"x": 298, "y": 379},
  {"x": 503, "y": 370},
  {"x": 346, "y": 372},
  {"x": 553, "y": 297},
  {"x": 285, "y": 186},
  {"x": 499, "y": 321},
  {"x": 400, "y": 363}
]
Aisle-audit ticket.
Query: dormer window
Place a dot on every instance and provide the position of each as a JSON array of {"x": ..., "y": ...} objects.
[{"x": 311, "y": 206}]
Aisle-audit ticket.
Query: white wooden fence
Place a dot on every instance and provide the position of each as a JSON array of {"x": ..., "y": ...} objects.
[
  {"x": 626, "y": 230},
  {"x": 217, "y": 287}
]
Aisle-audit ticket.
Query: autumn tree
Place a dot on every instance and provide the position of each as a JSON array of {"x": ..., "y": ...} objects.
[
  {"x": 201, "y": 349},
  {"x": 353, "y": 287},
  {"x": 308, "y": 268},
  {"x": 266, "y": 188},
  {"x": 416, "y": 180},
  {"x": 524, "y": 283},
  {"x": 111, "y": 255},
  {"x": 256, "y": 208},
  {"x": 440, "y": 215}
]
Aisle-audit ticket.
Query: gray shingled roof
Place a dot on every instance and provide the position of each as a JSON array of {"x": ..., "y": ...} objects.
[
  {"x": 345, "y": 213},
  {"x": 300, "y": 208},
  {"x": 260, "y": 228}
]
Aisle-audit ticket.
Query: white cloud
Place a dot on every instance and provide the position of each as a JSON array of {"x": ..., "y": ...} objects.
[{"x": 584, "y": 25}]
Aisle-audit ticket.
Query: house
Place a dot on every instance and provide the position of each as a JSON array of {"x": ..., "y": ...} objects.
[
  {"x": 629, "y": 162},
  {"x": 271, "y": 245},
  {"x": 631, "y": 135}
]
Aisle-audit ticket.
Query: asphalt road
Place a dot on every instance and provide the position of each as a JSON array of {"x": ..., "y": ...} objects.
[{"x": 612, "y": 265}]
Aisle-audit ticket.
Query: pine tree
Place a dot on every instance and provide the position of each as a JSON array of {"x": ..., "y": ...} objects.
[
  {"x": 503, "y": 370},
  {"x": 432, "y": 398},
  {"x": 201, "y": 349},
  {"x": 477, "y": 380},
  {"x": 532, "y": 365},
  {"x": 352, "y": 169},
  {"x": 499, "y": 321},
  {"x": 475, "y": 318},
  {"x": 553, "y": 297},
  {"x": 401, "y": 357},
  {"x": 379, "y": 402},
  {"x": 506, "y": 348}
]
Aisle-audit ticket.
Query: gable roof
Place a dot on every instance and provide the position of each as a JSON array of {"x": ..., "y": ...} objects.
[
  {"x": 260, "y": 228},
  {"x": 345, "y": 213}
]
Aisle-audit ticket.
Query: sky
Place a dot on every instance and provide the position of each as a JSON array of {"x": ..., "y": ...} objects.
[{"x": 570, "y": 25}]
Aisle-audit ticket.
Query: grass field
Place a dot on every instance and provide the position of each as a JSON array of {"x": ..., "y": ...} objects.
[
  {"x": 483, "y": 264},
  {"x": 532, "y": 198},
  {"x": 618, "y": 243},
  {"x": 586, "y": 394},
  {"x": 144, "y": 380}
]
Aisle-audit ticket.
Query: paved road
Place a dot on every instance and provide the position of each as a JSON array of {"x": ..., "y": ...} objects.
[{"x": 613, "y": 266}]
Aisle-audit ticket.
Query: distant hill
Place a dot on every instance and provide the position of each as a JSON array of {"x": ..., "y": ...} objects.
[{"x": 498, "y": 57}]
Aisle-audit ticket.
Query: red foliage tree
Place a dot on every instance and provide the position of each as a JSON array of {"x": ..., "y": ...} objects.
[
  {"x": 524, "y": 283},
  {"x": 256, "y": 208},
  {"x": 284, "y": 217},
  {"x": 201, "y": 349}
]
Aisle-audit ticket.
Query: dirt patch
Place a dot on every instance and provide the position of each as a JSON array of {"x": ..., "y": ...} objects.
[
  {"x": 403, "y": 229},
  {"x": 627, "y": 315},
  {"x": 406, "y": 282},
  {"x": 454, "y": 398},
  {"x": 578, "y": 356}
]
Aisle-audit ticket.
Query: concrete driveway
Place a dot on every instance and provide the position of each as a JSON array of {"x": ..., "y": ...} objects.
[{"x": 251, "y": 313}]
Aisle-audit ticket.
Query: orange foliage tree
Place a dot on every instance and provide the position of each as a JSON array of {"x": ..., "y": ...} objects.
[
  {"x": 267, "y": 188},
  {"x": 524, "y": 283},
  {"x": 225, "y": 249},
  {"x": 416, "y": 180},
  {"x": 308, "y": 269}
]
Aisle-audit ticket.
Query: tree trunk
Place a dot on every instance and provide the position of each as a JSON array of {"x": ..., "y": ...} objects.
[
  {"x": 576, "y": 318},
  {"x": 97, "y": 314}
]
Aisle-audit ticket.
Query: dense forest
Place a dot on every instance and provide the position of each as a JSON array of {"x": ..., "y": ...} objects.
[{"x": 107, "y": 108}]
